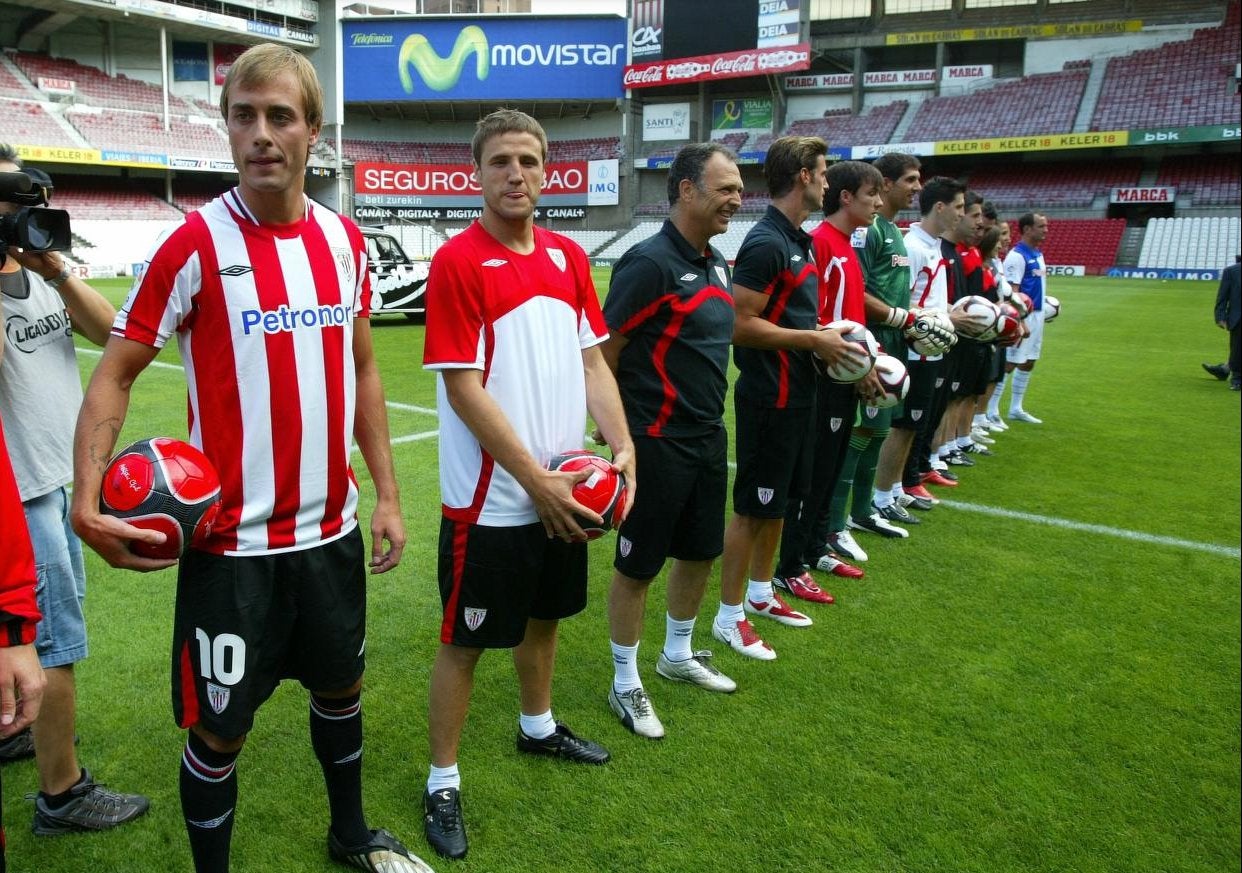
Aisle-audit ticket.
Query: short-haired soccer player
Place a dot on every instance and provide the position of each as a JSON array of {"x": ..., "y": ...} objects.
[
  {"x": 776, "y": 297},
  {"x": 513, "y": 332},
  {"x": 850, "y": 206},
  {"x": 1026, "y": 271},
  {"x": 268, "y": 296},
  {"x": 669, "y": 312}
]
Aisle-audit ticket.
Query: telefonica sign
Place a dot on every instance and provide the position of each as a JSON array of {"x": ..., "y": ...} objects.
[{"x": 493, "y": 58}]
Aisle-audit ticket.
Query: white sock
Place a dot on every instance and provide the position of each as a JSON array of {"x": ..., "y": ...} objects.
[
  {"x": 443, "y": 777},
  {"x": 964, "y": 442},
  {"x": 994, "y": 401},
  {"x": 759, "y": 592},
  {"x": 884, "y": 498},
  {"x": 1021, "y": 378},
  {"x": 729, "y": 614},
  {"x": 896, "y": 494},
  {"x": 677, "y": 636},
  {"x": 537, "y": 727},
  {"x": 625, "y": 667},
  {"x": 980, "y": 420}
]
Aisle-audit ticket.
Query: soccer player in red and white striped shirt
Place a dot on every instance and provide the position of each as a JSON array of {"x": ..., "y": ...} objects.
[{"x": 268, "y": 296}]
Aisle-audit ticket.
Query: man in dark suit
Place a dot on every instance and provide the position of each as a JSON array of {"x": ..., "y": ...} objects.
[{"x": 1229, "y": 317}]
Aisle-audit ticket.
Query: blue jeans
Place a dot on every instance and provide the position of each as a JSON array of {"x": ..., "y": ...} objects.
[{"x": 61, "y": 636}]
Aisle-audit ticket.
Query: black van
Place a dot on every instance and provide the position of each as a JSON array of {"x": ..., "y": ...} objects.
[{"x": 397, "y": 283}]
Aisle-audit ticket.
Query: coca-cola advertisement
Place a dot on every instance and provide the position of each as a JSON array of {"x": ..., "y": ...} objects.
[{"x": 733, "y": 65}]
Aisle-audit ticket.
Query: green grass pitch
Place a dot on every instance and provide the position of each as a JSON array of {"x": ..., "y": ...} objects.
[{"x": 999, "y": 695}]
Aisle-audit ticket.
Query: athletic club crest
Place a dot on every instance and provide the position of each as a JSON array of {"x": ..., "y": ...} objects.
[
  {"x": 217, "y": 697},
  {"x": 474, "y": 617},
  {"x": 624, "y": 546},
  {"x": 835, "y": 424},
  {"x": 955, "y": 385},
  {"x": 724, "y": 277},
  {"x": 940, "y": 382},
  {"x": 558, "y": 258},
  {"x": 872, "y": 412},
  {"x": 916, "y": 414},
  {"x": 765, "y": 495},
  {"x": 345, "y": 260}
]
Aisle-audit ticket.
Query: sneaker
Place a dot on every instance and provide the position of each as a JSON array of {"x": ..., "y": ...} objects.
[
  {"x": 996, "y": 424},
  {"x": 876, "y": 525},
  {"x": 17, "y": 747},
  {"x": 383, "y": 854},
  {"x": 957, "y": 458},
  {"x": 1023, "y": 415},
  {"x": 778, "y": 610},
  {"x": 843, "y": 543},
  {"x": 978, "y": 449},
  {"x": 697, "y": 670},
  {"x": 895, "y": 513},
  {"x": 803, "y": 587},
  {"x": 742, "y": 639},
  {"x": 837, "y": 567},
  {"x": 923, "y": 499},
  {"x": 982, "y": 436},
  {"x": 935, "y": 477},
  {"x": 634, "y": 709},
  {"x": 563, "y": 744},
  {"x": 443, "y": 824},
  {"x": 91, "y": 807}
]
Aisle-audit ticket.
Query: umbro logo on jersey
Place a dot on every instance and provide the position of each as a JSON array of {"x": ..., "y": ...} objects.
[
  {"x": 474, "y": 616},
  {"x": 495, "y": 262},
  {"x": 689, "y": 277},
  {"x": 236, "y": 270},
  {"x": 795, "y": 258}
]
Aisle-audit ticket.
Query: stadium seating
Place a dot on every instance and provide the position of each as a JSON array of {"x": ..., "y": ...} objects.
[
  {"x": 120, "y": 242},
  {"x": 735, "y": 141},
  {"x": 1055, "y": 184},
  {"x": 1191, "y": 243},
  {"x": 590, "y": 240},
  {"x": 417, "y": 240},
  {"x": 1089, "y": 242},
  {"x": 1178, "y": 84},
  {"x": 1040, "y": 103},
  {"x": 841, "y": 127},
  {"x": 11, "y": 86},
  {"x": 29, "y": 123},
  {"x": 103, "y": 199},
  {"x": 94, "y": 86},
  {"x": 1209, "y": 180},
  {"x": 397, "y": 152},
  {"x": 621, "y": 244},
  {"x": 144, "y": 132}
]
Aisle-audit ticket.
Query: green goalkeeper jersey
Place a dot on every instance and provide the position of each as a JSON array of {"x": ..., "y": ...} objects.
[{"x": 886, "y": 269}]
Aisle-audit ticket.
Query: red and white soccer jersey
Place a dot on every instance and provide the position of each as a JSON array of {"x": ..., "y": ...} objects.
[
  {"x": 524, "y": 321},
  {"x": 840, "y": 280},
  {"x": 927, "y": 270},
  {"x": 264, "y": 322}
]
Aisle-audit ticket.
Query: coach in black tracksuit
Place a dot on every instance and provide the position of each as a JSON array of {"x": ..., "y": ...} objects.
[{"x": 670, "y": 319}]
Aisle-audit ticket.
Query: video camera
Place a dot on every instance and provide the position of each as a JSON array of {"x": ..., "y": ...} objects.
[{"x": 32, "y": 227}]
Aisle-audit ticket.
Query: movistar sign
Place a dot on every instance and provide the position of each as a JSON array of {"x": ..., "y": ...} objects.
[{"x": 523, "y": 57}]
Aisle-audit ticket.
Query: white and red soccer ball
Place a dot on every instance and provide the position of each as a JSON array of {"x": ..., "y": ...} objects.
[
  {"x": 1052, "y": 308},
  {"x": 895, "y": 379},
  {"x": 165, "y": 485},
  {"x": 981, "y": 317},
  {"x": 604, "y": 491},
  {"x": 854, "y": 366},
  {"x": 1009, "y": 325}
]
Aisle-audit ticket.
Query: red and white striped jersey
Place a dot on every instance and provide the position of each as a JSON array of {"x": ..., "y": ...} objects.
[
  {"x": 523, "y": 320},
  {"x": 264, "y": 321}
]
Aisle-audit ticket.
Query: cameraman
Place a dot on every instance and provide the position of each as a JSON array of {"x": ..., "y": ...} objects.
[{"x": 40, "y": 392}]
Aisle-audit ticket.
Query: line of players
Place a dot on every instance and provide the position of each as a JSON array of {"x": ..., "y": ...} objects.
[{"x": 816, "y": 461}]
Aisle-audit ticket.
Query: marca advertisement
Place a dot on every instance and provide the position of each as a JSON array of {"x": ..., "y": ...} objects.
[
  {"x": 731, "y": 65},
  {"x": 576, "y": 183},
  {"x": 527, "y": 58}
]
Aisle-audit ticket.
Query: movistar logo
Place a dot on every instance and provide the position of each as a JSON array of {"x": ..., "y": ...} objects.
[{"x": 441, "y": 74}]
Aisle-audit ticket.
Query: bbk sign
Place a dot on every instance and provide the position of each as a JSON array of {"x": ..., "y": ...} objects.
[{"x": 1153, "y": 194}]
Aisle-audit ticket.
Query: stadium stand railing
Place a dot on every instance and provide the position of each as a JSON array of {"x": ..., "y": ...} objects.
[
  {"x": 1039, "y": 103},
  {"x": 1196, "y": 243},
  {"x": 1178, "y": 84}
]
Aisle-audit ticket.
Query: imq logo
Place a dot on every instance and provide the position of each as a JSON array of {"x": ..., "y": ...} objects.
[{"x": 441, "y": 74}]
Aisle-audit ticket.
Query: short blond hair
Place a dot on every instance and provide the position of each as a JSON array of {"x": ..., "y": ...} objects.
[
  {"x": 263, "y": 63},
  {"x": 504, "y": 121}
]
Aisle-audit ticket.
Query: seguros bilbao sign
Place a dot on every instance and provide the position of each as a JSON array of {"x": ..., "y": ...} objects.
[
  {"x": 575, "y": 183},
  {"x": 492, "y": 58}
]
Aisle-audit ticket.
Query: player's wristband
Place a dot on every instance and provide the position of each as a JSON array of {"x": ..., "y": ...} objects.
[
  {"x": 898, "y": 317},
  {"x": 60, "y": 279}
]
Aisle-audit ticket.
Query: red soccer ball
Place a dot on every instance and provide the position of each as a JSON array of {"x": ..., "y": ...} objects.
[
  {"x": 166, "y": 485},
  {"x": 604, "y": 491}
]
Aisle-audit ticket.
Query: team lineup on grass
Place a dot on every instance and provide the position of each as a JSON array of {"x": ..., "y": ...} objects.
[{"x": 871, "y": 365}]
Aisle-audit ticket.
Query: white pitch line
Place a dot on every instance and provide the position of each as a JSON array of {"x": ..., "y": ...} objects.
[{"x": 1104, "y": 530}]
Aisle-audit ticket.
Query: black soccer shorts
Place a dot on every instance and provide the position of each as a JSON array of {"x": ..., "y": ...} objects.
[
  {"x": 679, "y": 508},
  {"x": 919, "y": 400},
  {"x": 492, "y": 579},
  {"x": 774, "y": 449},
  {"x": 242, "y": 624}
]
